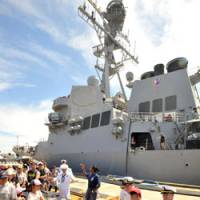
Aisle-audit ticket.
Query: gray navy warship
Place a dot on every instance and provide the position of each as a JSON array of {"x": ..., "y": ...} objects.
[{"x": 155, "y": 134}]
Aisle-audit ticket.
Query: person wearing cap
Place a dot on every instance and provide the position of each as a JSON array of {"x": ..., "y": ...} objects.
[
  {"x": 63, "y": 182},
  {"x": 35, "y": 193},
  {"x": 135, "y": 193},
  {"x": 11, "y": 176},
  {"x": 11, "y": 173},
  {"x": 7, "y": 192},
  {"x": 43, "y": 175},
  {"x": 93, "y": 182},
  {"x": 126, "y": 183},
  {"x": 64, "y": 162},
  {"x": 33, "y": 173},
  {"x": 168, "y": 192},
  {"x": 20, "y": 193}
]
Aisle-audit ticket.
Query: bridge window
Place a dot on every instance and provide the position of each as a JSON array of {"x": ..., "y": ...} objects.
[
  {"x": 157, "y": 105},
  {"x": 95, "y": 120},
  {"x": 144, "y": 107},
  {"x": 170, "y": 103},
  {"x": 86, "y": 123},
  {"x": 105, "y": 118}
]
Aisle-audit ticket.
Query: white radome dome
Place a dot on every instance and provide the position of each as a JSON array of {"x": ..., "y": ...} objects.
[{"x": 93, "y": 81}]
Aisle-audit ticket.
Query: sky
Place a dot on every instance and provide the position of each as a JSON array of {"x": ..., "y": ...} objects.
[{"x": 45, "y": 48}]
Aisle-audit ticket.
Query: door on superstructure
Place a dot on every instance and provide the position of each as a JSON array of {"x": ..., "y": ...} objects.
[{"x": 141, "y": 139}]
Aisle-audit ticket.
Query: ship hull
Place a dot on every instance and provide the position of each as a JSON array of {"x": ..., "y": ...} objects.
[{"x": 178, "y": 166}]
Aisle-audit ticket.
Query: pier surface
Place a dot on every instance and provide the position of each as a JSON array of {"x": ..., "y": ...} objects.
[{"x": 112, "y": 192}]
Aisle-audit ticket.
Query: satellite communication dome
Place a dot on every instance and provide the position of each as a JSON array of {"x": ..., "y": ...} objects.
[
  {"x": 129, "y": 76},
  {"x": 92, "y": 81}
]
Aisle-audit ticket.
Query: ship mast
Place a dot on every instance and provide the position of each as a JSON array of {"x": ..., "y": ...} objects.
[{"x": 108, "y": 25}]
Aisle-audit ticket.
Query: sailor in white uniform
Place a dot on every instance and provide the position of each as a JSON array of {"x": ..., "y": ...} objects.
[
  {"x": 63, "y": 181},
  {"x": 64, "y": 162}
]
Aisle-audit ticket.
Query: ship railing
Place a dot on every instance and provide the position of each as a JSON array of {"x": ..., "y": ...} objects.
[
  {"x": 23, "y": 149},
  {"x": 157, "y": 117}
]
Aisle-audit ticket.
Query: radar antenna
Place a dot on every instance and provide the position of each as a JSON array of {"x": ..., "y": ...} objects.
[{"x": 108, "y": 26}]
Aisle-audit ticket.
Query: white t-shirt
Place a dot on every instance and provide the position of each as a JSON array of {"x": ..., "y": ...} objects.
[
  {"x": 35, "y": 196},
  {"x": 22, "y": 178},
  {"x": 63, "y": 182},
  {"x": 8, "y": 192},
  {"x": 124, "y": 195}
]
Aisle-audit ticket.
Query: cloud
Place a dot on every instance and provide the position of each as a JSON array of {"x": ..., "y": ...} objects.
[
  {"x": 16, "y": 62},
  {"x": 16, "y": 53},
  {"x": 51, "y": 55},
  {"x": 64, "y": 27},
  {"x": 25, "y": 121},
  {"x": 5, "y": 86},
  {"x": 13, "y": 65},
  {"x": 51, "y": 18},
  {"x": 83, "y": 42}
]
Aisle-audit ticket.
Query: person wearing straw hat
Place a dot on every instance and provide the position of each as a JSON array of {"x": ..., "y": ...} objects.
[
  {"x": 168, "y": 192},
  {"x": 11, "y": 176},
  {"x": 21, "y": 177}
]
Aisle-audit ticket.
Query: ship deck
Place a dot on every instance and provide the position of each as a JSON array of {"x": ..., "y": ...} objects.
[{"x": 111, "y": 192}]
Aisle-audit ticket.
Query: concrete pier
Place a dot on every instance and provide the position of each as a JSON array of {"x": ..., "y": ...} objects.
[{"x": 112, "y": 192}]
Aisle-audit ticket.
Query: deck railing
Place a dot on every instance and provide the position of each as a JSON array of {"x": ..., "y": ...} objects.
[{"x": 157, "y": 117}]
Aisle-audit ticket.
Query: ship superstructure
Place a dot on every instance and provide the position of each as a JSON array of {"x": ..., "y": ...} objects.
[{"x": 155, "y": 134}]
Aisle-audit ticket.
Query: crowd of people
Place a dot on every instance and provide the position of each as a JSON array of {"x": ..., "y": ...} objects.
[{"x": 29, "y": 181}]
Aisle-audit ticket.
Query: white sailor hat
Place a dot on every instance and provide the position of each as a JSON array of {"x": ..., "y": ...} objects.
[
  {"x": 167, "y": 189},
  {"x": 127, "y": 180},
  {"x": 64, "y": 166},
  {"x": 64, "y": 161}
]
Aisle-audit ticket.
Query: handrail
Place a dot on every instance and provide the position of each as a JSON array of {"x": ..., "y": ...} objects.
[{"x": 157, "y": 117}]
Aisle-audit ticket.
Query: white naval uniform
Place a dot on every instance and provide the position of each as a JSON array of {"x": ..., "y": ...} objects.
[{"x": 63, "y": 182}]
